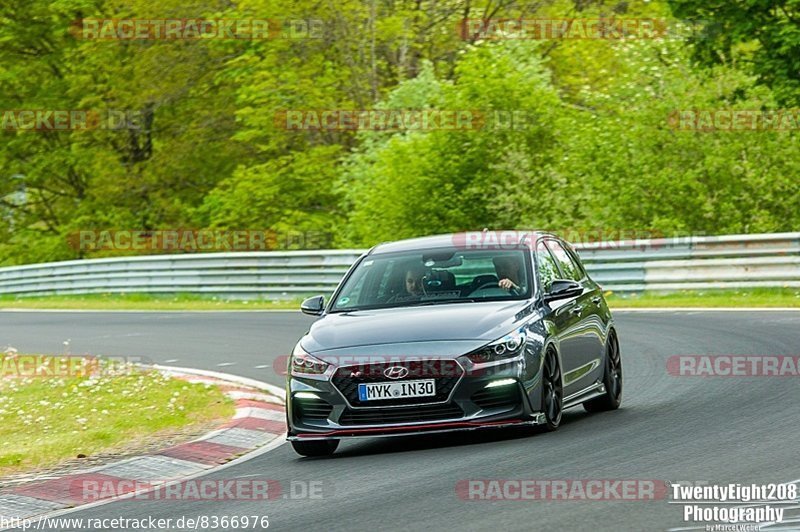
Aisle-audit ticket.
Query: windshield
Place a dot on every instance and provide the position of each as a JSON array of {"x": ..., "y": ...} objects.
[{"x": 435, "y": 277}]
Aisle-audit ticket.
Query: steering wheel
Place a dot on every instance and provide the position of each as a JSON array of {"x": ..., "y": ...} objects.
[{"x": 494, "y": 284}]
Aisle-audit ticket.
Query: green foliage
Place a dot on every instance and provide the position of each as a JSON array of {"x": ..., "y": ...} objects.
[
  {"x": 763, "y": 34},
  {"x": 591, "y": 144},
  {"x": 285, "y": 194},
  {"x": 601, "y": 156},
  {"x": 424, "y": 182}
]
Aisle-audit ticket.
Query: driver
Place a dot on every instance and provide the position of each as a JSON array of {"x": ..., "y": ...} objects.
[{"x": 509, "y": 271}]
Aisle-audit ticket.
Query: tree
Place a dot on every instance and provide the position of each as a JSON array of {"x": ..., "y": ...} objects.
[{"x": 765, "y": 35}]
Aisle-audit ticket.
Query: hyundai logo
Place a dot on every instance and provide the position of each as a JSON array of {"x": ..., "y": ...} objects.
[{"x": 395, "y": 372}]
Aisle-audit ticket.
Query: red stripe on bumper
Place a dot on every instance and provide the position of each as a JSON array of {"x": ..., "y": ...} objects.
[{"x": 408, "y": 428}]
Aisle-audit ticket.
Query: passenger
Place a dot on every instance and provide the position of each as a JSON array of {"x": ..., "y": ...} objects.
[{"x": 413, "y": 281}]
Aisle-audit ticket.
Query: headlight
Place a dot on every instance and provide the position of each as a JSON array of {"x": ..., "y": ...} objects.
[
  {"x": 509, "y": 346},
  {"x": 301, "y": 364}
]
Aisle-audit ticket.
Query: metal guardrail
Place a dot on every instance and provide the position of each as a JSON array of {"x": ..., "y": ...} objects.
[{"x": 735, "y": 261}]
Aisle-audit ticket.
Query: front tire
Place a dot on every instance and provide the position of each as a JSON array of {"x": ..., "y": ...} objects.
[
  {"x": 552, "y": 391},
  {"x": 315, "y": 447},
  {"x": 612, "y": 380}
]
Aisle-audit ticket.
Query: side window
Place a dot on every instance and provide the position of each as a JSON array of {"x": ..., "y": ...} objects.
[
  {"x": 362, "y": 289},
  {"x": 355, "y": 289},
  {"x": 569, "y": 268},
  {"x": 576, "y": 259},
  {"x": 547, "y": 269}
]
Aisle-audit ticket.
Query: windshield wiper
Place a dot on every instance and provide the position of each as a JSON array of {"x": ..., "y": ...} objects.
[
  {"x": 426, "y": 302},
  {"x": 435, "y": 301},
  {"x": 351, "y": 309}
]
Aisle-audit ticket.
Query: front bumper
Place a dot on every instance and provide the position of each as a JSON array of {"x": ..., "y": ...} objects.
[{"x": 324, "y": 409}]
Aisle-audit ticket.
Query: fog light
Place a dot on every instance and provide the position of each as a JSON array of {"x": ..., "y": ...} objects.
[
  {"x": 306, "y": 395},
  {"x": 501, "y": 382}
]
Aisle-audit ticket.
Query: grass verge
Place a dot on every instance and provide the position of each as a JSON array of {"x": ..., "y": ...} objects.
[
  {"x": 765, "y": 297},
  {"x": 144, "y": 302},
  {"x": 56, "y": 408},
  {"x": 761, "y": 297}
]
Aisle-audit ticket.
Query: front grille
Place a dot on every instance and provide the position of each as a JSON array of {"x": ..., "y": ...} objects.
[
  {"x": 497, "y": 397},
  {"x": 445, "y": 372},
  {"x": 378, "y": 416},
  {"x": 311, "y": 409}
]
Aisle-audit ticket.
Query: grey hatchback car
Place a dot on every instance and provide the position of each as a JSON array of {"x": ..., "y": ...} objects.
[{"x": 453, "y": 332}]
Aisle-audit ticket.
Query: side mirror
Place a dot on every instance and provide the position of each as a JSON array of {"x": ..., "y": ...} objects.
[
  {"x": 563, "y": 289},
  {"x": 313, "y": 305}
]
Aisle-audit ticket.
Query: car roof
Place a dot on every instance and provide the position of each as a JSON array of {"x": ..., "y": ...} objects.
[{"x": 465, "y": 239}]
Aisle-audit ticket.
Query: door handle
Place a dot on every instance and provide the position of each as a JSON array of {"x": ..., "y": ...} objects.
[
  {"x": 596, "y": 300},
  {"x": 576, "y": 310}
]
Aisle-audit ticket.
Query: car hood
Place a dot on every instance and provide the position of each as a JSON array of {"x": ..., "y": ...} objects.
[{"x": 465, "y": 323}]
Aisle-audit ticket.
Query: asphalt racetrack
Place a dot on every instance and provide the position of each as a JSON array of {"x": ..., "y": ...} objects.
[{"x": 714, "y": 430}]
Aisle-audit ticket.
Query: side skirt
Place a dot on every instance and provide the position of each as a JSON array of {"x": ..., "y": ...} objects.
[{"x": 595, "y": 390}]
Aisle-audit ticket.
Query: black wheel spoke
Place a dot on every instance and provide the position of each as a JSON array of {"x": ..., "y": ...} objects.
[
  {"x": 615, "y": 368},
  {"x": 551, "y": 388},
  {"x": 611, "y": 397}
]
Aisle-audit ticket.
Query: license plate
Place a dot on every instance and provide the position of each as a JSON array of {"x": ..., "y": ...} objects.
[{"x": 396, "y": 390}]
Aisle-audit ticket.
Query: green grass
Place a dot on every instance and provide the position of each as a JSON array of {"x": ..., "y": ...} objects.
[
  {"x": 763, "y": 297},
  {"x": 144, "y": 302},
  {"x": 46, "y": 418},
  {"x": 760, "y": 297}
]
